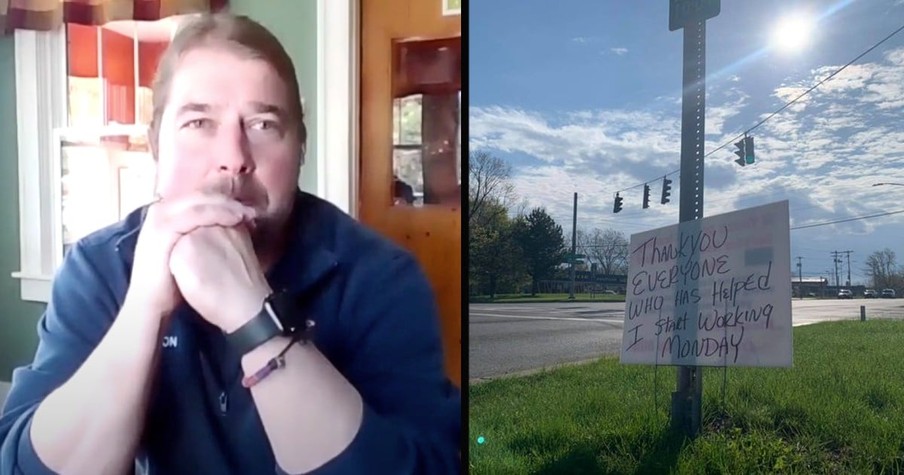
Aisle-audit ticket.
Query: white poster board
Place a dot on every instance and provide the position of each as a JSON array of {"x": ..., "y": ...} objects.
[{"x": 711, "y": 292}]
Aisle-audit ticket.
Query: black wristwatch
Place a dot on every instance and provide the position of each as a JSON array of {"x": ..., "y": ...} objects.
[{"x": 278, "y": 316}]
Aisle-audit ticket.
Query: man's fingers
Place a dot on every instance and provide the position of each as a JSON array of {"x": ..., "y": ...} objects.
[
  {"x": 203, "y": 215},
  {"x": 186, "y": 203},
  {"x": 188, "y": 213}
]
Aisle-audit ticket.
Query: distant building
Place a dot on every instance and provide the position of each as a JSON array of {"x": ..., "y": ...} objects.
[
  {"x": 819, "y": 287},
  {"x": 810, "y": 286},
  {"x": 584, "y": 282}
]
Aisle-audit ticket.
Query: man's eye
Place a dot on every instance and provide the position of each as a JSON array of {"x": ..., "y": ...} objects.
[
  {"x": 197, "y": 124},
  {"x": 264, "y": 125}
]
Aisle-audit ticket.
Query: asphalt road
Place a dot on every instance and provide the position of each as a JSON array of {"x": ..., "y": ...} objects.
[{"x": 515, "y": 338}]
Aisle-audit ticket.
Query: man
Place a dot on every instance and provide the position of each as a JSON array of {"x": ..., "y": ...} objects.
[{"x": 235, "y": 325}]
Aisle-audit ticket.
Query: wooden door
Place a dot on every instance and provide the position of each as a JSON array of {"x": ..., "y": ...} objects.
[{"x": 409, "y": 174}]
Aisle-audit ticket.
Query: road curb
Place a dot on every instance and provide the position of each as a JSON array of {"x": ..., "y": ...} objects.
[{"x": 528, "y": 372}]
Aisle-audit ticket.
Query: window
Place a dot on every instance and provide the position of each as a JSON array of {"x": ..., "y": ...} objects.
[
  {"x": 106, "y": 169},
  {"x": 83, "y": 110},
  {"x": 426, "y": 121}
]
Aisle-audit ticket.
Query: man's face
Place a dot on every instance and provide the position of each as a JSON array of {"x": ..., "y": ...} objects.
[{"x": 226, "y": 128}]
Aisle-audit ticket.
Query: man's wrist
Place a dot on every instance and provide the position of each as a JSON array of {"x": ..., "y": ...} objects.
[
  {"x": 244, "y": 310},
  {"x": 258, "y": 357}
]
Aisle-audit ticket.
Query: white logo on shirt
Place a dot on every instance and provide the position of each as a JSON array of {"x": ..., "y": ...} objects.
[{"x": 170, "y": 341}]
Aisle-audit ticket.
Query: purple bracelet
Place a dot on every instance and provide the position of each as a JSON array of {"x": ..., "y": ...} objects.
[{"x": 279, "y": 361}]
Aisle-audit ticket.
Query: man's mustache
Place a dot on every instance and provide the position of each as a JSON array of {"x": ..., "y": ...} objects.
[{"x": 234, "y": 188}]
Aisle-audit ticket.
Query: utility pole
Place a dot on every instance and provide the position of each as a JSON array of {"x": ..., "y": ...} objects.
[
  {"x": 848, "y": 253},
  {"x": 836, "y": 260},
  {"x": 574, "y": 240},
  {"x": 691, "y": 16},
  {"x": 800, "y": 278}
]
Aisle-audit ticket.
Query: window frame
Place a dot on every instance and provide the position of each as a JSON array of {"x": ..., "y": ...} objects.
[
  {"x": 42, "y": 124},
  {"x": 41, "y": 110},
  {"x": 338, "y": 115}
]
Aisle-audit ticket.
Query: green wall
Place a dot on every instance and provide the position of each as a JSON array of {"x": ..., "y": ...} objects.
[
  {"x": 293, "y": 22},
  {"x": 18, "y": 319}
]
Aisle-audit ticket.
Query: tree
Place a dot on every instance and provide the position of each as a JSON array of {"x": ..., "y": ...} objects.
[
  {"x": 542, "y": 244},
  {"x": 488, "y": 181},
  {"x": 883, "y": 270},
  {"x": 494, "y": 260},
  {"x": 609, "y": 248}
]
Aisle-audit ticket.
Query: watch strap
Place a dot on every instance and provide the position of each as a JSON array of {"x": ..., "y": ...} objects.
[{"x": 262, "y": 328}]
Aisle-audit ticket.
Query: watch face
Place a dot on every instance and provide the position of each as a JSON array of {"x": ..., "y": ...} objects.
[
  {"x": 274, "y": 315},
  {"x": 282, "y": 305}
]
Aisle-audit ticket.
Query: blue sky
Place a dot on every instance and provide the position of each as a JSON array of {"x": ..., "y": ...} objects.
[{"x": 584, "y": 96}]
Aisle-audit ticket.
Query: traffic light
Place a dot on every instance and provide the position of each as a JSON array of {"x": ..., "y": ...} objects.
[
  {"x": 666, "y": 190},
  {"x": 745, "y": 151},
  {"x": 646, "y": 196},
  {"x": 740, "y": 152},
  {"x": 748, "y": 150},
  {"x": 618, "y": 204}
]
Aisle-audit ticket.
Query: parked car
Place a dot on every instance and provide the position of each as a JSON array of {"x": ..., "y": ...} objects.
[
  {"x": 888, "y": 293},
  {"x": 870, "y": 294},
  {"x": 845, "y": 294}
]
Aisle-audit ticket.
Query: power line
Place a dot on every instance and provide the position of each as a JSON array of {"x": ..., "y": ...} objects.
[
  {"x": 847, "y": 220},
  {"x": 811, "y": 89},
  {"x": 827, "y": 223}
]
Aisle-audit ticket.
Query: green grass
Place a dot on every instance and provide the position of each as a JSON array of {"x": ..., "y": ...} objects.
[
  {"x": 522, "y": 298},
  {"x": 840, "y": 409}
]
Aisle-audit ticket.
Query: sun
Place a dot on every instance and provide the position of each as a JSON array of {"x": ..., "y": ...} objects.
[{"x": 793, "y": 32}]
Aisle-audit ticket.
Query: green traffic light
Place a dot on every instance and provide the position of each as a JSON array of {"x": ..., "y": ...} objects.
[{"x": 749, "y": 155}]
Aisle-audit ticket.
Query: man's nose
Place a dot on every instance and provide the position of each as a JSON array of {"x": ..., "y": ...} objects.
[{"x": 233, "y": 155}]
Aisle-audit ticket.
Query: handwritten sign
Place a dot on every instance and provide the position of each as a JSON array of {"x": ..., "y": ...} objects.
[{"x": 711, "y": 292}]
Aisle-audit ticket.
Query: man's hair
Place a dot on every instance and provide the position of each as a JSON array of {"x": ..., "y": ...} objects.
[{"x": 240, "y": 35}]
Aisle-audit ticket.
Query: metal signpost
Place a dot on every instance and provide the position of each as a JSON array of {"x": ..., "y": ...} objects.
[
  {"x": 691, "y": 15},
  {"x": 574, "y": 236}
]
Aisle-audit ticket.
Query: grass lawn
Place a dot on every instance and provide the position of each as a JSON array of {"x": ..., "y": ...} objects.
[
  {"x": 840, "y": 409},
  {"x": 522, "y": 298}
]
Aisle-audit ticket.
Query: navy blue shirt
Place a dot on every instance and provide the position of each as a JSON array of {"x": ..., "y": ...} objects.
[{"x": 376, "y": 322}]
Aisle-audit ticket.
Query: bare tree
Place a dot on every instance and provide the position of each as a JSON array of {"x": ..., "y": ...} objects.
[
  {"x": 882, "y": 268},
  {"x": 582, "y": 243},
  {"x": 488, "y": 181},
  {"x": 608, "y": 248}
]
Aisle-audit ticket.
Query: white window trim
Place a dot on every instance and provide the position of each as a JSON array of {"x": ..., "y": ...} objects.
[
  {"x": 40, "y": 59},
  {"x": 338, "y": 35}
]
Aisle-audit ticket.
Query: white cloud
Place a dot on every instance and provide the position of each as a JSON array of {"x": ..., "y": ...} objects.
[
  {"x": 718, "y": 114},
  {"x": 822, "y": 154},
  {"x": 619, "y": 51}
]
